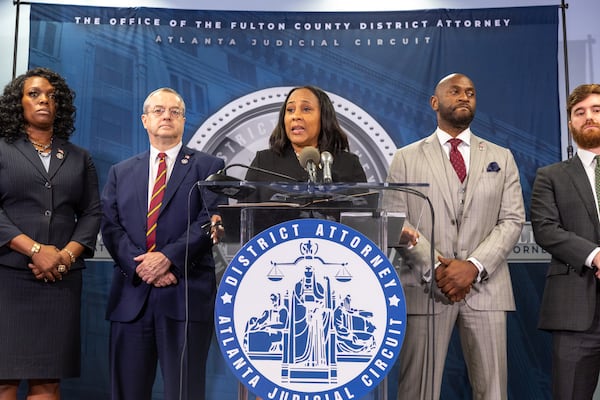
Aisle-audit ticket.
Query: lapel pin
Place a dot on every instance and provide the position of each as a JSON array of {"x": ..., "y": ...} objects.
[
  {"x": 185, "y": 159},
  {"x": 60, "y": 154}
]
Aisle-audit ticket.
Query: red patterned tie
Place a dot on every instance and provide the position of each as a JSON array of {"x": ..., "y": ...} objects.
[
  {"x": 457, "y": 160},
  {"x": 158, "y": 193}
]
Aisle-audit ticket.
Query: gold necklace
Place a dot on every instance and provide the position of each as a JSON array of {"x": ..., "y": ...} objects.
[{"x": 39, "y": 147}]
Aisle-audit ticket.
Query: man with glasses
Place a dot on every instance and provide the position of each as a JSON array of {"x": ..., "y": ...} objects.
[{"x": 159, "y": 229}]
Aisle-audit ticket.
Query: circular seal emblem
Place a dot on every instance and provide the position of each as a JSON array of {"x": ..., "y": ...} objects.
[{"x": 310, "y": 309}]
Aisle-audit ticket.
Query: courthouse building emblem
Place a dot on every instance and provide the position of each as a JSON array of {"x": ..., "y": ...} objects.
[{"x": 310, "y": 309}]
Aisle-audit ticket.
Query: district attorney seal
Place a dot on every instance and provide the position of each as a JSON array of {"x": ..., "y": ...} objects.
[{"x": 310, "y": 309}]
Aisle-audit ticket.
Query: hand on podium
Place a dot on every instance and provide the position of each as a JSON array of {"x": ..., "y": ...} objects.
[
  {"x": 409, "y": 237},
  {"x": 217, "y": 229}
]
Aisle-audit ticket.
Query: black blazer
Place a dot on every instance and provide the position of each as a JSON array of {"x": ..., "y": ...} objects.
[
  {"x": 346, "y": 167},
  {"x": 565, "y": 223},
  {"x": 51, "y": 207}
]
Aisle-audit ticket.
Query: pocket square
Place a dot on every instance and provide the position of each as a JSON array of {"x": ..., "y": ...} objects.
[{"x": 493, "y": 167}]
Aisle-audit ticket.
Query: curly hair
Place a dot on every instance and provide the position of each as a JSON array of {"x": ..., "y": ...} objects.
[
  {"x": 331, "y": 137},
  {"x": 12, "y": 120}
]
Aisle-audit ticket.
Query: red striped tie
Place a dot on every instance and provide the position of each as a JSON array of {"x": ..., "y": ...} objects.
[
  {"x": 158, "y": 193},
  {"x": 457, "y": 160}
]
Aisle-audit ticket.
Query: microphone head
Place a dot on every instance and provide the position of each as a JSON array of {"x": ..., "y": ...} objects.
[
  {"x": 326, "y": 161},
  {"x": 307, "y": 154},
  {"x": 326, "y": 158}
]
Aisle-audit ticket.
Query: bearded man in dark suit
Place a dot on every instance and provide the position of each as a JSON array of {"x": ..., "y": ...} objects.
[{"x": 564, "y": 217}]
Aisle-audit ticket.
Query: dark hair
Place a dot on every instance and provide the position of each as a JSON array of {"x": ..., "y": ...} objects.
[
  {"x": 11, "y": 109},
  {"x": 331, "y": 138},
  {"x": 579, "y": 94}
]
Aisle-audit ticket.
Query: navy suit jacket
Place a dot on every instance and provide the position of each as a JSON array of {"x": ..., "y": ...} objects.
[
  {"x": 565, "y": 223},
  {"x": 125, "y": 205}
]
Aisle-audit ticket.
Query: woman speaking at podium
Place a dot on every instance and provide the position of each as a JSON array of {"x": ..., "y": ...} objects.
[{"x": 307, "y": 124}]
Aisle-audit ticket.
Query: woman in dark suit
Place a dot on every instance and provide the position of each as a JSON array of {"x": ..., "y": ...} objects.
[
  {"x": 49, "y": 220},
  {"x": 306, "y": 118}
]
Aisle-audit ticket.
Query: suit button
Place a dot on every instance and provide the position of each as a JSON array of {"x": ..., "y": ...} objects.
[
  {"x": 452, "y": 222},
  {"x": 47, "y": 185},
  {"x": 47, "y": 213}
]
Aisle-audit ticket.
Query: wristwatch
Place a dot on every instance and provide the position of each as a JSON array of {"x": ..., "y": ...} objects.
[{"x": 35, "y": 249}]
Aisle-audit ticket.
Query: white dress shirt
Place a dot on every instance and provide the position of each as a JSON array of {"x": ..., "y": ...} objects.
[{"x": 170, "y": 160}]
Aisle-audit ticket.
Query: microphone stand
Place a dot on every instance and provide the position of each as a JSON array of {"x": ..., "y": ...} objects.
[
  {"x": 563, "y": 8},
  {"x": 17, "y": 4}
]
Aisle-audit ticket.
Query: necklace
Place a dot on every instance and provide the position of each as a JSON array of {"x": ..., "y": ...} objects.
[{"x": 39, "y": 147}]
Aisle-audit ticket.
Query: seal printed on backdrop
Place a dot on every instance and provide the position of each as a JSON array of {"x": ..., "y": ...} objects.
[{"x": 310, "y": 309}]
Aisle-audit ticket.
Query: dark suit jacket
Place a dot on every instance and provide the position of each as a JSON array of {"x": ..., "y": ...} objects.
[
  {"x": 125, "y": 204},
  {"x": 565, "y": 223},
  {"x": 346, "y": 167},
  {"x": 52, "y": 207}
]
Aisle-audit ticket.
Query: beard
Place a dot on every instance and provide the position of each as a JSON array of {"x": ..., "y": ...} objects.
[
  {"x": 458, "y": 120},
  {"x": 587, "y": 140}
]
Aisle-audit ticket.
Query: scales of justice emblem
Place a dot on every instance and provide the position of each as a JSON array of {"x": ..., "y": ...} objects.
[{"x": 310, "y": 309}]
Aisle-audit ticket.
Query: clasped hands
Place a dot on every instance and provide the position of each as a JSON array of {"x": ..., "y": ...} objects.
[
  {"x": 50, "y": 263},
  {"x": 455, "y": 277},
  {"x": 154, "y": 268}
]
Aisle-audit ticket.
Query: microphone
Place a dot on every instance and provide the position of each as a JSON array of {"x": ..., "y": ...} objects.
[
  {"x": 221, "y": 175},
  {"x": 326, "y": 161},
  {"x": 309, "y": 159}
]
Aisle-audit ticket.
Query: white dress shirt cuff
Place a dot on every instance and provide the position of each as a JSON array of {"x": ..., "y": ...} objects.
[
  {"x": 590, "y": 258},
  {"x": 482, "y": 274},
  {"x": 427, "y": 275}
]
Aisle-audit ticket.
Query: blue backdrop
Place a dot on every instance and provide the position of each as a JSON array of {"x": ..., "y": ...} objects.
[{"x": 233, "y": 68}]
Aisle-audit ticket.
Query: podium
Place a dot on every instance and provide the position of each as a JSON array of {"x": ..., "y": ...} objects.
[{"x": 313, "y": 313}]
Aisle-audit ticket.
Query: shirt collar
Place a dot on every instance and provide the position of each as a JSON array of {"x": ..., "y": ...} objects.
[
  {"x": 586, "y": 157},
  {"x": 171, "y": 153},
  {"x": 443, "y": 136}
]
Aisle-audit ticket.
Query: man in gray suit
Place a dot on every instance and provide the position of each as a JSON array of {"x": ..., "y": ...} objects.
[
  {"x": 479, "y": 213},
  {"x": 564, "y": 216}
]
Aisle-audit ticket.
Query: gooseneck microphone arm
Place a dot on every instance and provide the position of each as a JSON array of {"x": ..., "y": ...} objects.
[{"x": 222, "y": 173}]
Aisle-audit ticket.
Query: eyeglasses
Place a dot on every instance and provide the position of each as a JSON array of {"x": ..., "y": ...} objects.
[{"x": 174, "y": 113}]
